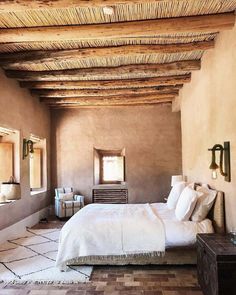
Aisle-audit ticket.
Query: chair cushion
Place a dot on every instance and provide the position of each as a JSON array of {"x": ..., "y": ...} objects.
[
  {"x": 68, "y": 189},
  {"x": 66, "y": 196},
  {"x": 67, "y": 204}
]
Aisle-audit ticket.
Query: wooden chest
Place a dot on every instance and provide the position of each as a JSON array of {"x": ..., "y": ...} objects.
[{"x": 216, "y": 264}]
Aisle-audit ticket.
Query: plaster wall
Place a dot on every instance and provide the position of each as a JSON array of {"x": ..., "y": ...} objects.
[
  {"x": 151, "y": 136},
  {"x": 20, "y": 111},
  {"x": 208, "y": 115}
]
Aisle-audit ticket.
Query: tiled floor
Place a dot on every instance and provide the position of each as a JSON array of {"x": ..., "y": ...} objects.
[{"x": 116, "y": 280}]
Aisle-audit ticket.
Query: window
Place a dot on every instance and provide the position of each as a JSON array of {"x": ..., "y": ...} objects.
[
  {"x": 6, "y": 161},
  {"x": 36, "y": 169},
  {"x": 109, "y": 166},
  {"x": 38, "y": 165},
  {"x": 112, "y": 168}
]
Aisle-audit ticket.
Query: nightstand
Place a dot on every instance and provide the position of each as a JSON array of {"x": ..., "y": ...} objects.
[{"x": 216, "y": 264}]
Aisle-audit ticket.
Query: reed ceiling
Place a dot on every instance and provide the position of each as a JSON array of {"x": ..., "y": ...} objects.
[
  {"x": 73, "y": 54},
  {"x": 46, "y": 13}
]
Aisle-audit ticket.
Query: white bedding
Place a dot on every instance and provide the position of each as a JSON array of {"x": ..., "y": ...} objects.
[
  {"x": 100, "y": 229},
  {"x": 106, "y": 229},
  {"x": 180, "y": 233}
]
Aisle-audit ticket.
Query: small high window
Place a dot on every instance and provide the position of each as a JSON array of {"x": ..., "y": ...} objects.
[
  {"x": 109, "y": 166},
  {"x": 112, "y": 169}
]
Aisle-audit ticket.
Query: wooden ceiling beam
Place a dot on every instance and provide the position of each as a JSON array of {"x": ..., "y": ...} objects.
[
  {"x": 112, "y": 104},
  {"x": 148, "y": 70},
  {"x": 76, "y": 106},
  {"x": 118, "y": 99},
  {"x": 11, "y": 60},
  {"x": 139, "y": 97},
  {"x": 109, "y": 84},
  {"x": 172, "y": 90},
  {"x": 19, "y": 5},
  {"x": 144, "y": 28}
]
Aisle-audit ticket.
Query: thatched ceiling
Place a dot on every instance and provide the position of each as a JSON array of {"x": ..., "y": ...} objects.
[{"x": 71, "y": 53}]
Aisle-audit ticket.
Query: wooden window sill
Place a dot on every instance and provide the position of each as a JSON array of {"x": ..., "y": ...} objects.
[{"x": 34, "y": 193}]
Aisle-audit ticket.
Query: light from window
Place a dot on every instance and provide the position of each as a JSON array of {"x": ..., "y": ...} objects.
[
  {"x": 113, "y": 168},
  {"x": 36, "y": 169},
  {"x": 6, "y": 161},
  {"x": 38, "y": 165}
]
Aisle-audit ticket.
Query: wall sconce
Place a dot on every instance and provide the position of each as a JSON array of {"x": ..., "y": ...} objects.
[
  {"x": 224, "y": 155},
  {"x": 28, "y": 147}
]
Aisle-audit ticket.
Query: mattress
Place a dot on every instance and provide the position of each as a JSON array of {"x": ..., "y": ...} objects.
[{"x": 180, "y": 233}]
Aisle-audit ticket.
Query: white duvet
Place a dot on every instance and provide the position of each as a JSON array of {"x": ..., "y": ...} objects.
[
  {"x": 180, "y": 233},
  {"x": 100, "y": 229}
]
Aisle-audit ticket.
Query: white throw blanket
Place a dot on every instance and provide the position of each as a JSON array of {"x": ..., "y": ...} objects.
[{"x": 100, "y": 229}]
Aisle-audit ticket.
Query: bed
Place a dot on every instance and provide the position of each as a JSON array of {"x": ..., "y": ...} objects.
[{"x": 177, "y": 250}]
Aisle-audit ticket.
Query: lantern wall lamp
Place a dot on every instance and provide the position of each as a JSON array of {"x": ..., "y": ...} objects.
[
  {"x": 28, "y": 147},
  {"x": 224, "y": 160}
]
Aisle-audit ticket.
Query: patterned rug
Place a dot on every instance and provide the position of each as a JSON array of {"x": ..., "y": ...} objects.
[{"x": 31, "y": 259}]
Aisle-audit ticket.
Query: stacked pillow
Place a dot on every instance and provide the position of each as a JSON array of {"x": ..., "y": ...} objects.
[
  {"x": 186, "y": 203},
  {"x": 175, "y": 194},
  {"x": 204, "y": 203},
  {"x": 189, "y": 203}
]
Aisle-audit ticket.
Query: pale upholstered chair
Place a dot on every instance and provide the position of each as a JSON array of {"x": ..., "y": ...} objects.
[{"x": 66, "y": 202}]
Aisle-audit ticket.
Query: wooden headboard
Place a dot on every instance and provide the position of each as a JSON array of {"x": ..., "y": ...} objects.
[{"x": 217, "y": 213}]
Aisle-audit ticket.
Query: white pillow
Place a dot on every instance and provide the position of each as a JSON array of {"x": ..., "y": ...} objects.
[
  {"x": 66, "y": 196},
  {"x": 204, "y": 203},
  {"x": 186, "y": 203},
  {"x": 175, "y": 194},
  {"x": 192, "y": 185}
]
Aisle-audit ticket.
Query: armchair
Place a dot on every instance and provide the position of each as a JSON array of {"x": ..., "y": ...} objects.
[{"x": 67, "y": 203}]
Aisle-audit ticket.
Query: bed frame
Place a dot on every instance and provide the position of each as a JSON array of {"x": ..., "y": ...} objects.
[{"x": 173, "y": 256}]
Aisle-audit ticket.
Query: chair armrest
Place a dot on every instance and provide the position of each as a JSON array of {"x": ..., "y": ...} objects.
[{"x": 79, "y": 198}]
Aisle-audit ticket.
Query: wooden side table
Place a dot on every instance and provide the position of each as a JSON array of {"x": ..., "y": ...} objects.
[{"x": 216, "y": 264}]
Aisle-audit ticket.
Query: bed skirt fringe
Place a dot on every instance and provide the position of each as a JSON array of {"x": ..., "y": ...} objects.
[
  {"x": 137, "y": 258},
  {"x": 43, "y": 282}
]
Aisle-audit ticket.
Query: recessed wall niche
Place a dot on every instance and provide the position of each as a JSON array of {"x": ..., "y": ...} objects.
[
  {"x": 9, "y": 155},
  {"x": 109, "y": 166}
]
